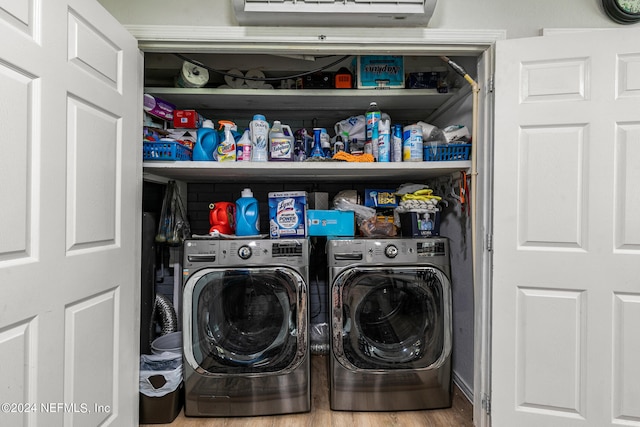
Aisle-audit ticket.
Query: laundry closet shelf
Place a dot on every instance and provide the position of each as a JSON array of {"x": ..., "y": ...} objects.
[
  {"x": 291, "y": 106},
  {"x": 300, "y": 171}
]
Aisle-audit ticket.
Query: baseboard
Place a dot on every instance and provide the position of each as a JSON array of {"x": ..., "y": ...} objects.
[{"x": 463, "y": 386}]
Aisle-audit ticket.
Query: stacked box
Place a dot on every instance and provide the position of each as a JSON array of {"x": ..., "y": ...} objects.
[
  {"x": 414, "y": 224},
  {"x": 288, "y": 214},
  {"x": 380, "y": 198},
  {"x": 330, "y": 223}
]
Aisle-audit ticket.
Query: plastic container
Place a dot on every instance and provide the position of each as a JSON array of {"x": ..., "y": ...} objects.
[
  {"x": 281, "y": 142},
  {"x": 226, "y": 150},
  {"x": 206, "y": 142},
  {"x": 412, "y": 144},
  {"x": 384, "y": 143},
  {"x": 316, "y": 151},
  {"x": 171, "y": 342},
  {"x": 259, "y": 136},
  {"x": 247, "y": 214},
  {"x": 372, "y": 117},
  {"x": 244, "y": 147},
  {"x": 165, "y": 150}
]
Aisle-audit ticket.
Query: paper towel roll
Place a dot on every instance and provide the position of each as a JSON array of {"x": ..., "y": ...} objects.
[
  {"x": 192, "y": 76},
  {"x": 234, "y": 82},
  {"x": 255, "y": 74}
]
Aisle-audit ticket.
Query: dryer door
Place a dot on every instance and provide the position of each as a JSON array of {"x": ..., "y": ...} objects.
[
  {"x": 245, "y": 320},
  {"x": 391, "y": 318}
]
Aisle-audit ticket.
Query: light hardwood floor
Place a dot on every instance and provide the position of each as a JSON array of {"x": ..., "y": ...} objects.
[{"x": 459, "y": 415}]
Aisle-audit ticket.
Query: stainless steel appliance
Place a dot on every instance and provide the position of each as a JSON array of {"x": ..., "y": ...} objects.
[
  {"x": 390, "y": 302},
  {"x": 245, "y": 327}
]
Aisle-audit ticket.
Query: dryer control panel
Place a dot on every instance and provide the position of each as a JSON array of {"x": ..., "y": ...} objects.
[{"x": 429, "y": 248}]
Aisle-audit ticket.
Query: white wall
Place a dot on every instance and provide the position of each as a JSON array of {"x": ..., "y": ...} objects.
[{"x": 521, "y": 18}]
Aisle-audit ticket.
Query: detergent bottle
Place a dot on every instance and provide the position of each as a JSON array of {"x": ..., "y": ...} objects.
[
  {"x": 247, "y": 215},
  {"x": 206, "y": 142},
  {"x": 244, "y": 147},
  {"x": 281, "y": 142},
  {"x": 226, "y": 150},
  {"x": 259, "y": 135}
]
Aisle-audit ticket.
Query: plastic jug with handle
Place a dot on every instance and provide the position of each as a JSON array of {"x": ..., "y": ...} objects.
[
  {"x": 247, "y": 215},
  {"x": 222, "y": 217},
  {"x": 281, "y": 142},
  {"x": 206, "y": 142}
]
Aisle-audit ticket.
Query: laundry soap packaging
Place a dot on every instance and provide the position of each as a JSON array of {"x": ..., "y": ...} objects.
[{"x": 288, "y": 214}]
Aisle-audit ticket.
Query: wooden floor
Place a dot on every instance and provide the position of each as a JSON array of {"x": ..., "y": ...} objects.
[{"x": 460, "y": 415}]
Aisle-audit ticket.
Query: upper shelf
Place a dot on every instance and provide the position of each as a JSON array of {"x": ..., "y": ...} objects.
[
  {"x": 331, "y": 105},
  {"x": 301, "y": 171}
]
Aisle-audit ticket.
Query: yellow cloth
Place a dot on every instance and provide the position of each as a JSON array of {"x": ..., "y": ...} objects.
[{"x": 343, "y": 155}]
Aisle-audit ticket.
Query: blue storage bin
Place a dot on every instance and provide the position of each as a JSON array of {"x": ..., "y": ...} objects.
[
  {"x": 165, "y": 150},
  {"x": 448, "y": 152}
]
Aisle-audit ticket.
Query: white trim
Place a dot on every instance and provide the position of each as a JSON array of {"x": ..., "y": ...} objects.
[{"x": 162, "y": 38}]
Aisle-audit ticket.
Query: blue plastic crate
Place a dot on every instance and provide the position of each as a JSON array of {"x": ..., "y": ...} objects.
[
  {"x": 448, "y": 152},
  {"x": 165, "y": 150}
]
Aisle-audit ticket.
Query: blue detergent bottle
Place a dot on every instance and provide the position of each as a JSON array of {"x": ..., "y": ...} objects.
[
  {"x": 247, "y": 215},
  {"x": 206, "y": 142}
]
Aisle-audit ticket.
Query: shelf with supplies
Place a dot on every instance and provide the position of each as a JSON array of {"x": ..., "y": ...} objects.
[
  {"x": 328, "y": 106},
  {"x": 326, "y": 171}
]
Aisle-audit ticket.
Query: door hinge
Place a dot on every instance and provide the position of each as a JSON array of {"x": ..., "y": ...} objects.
[
  {"x": 489, "y": 239},
  {"x": 490, "y": 84},
  {"x": 486, "y": 404}
]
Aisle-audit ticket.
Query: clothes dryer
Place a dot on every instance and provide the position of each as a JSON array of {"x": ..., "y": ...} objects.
[
  {"x": 245, "y": 327},
  {"x": 390, "y": 345}
]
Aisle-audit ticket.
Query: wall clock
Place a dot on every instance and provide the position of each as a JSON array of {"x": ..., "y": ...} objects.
[{"x": 622, "y": 11}]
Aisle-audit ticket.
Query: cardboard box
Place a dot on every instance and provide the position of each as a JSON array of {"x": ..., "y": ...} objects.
[
  {"x": 330, "y": 223},
  {"x": 380, "y": 71},
  {"x": 187, "y": 119},
  {"x": 380, "y": 198},
  {"x": 414, "y": 224},
  {"x": 288, "y": 214},
  {"x": 158, "y": 107}
]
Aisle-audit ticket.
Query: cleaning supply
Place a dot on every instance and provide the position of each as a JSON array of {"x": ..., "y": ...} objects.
[
  {"x": 372, "y": 116},
  {"x": 222, "y": 217},
  {"x": 247, "y": 214},
  {"x": 316, "y": 151},
  {"x": 206, "y": 142},
  {"x": 384, "y": 142},
  {"x": 226, "y": 150},
  {"x": 396, "y": 143},
  {"x": 244, "y": 147},
  {"x": 259, "y": 136},
  {"x": 281, "y": 142},
  {"x": 412, "y": 144}
]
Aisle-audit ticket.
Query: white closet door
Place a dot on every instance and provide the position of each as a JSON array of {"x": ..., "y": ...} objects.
[
  {"x": 566, "y": 285},
  {"x": 70, "y": 189}
]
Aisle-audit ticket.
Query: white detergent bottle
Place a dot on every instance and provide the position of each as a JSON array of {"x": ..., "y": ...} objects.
[
  {"x": 281, "y": 142},
  {"x": 259, "y": 136}
]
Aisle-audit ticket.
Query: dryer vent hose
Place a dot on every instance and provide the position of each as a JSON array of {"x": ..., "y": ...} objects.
[{"x": 163, "y": 309}]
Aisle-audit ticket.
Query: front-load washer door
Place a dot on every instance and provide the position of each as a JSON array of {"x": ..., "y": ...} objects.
[
  {"x": 245, "y": 320},
  {"x": 391, "y": 318}
]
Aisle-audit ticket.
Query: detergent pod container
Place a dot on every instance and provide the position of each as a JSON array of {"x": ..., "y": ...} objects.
[
  {"x": 206, "y": 142},
  {"x": 247, "y": 215},
  {"x": 222, "y": 217}
]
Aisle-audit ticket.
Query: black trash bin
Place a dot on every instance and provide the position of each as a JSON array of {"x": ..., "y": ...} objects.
[{"x": 161, "y": 387}]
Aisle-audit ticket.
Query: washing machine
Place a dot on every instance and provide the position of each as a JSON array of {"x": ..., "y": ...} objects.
[
  {"x": 245, "y": 327},
  {"x": 390, "y": 345}
]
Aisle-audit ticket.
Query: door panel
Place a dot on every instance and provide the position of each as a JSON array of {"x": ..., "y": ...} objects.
[
  {"x": 70, "y": 175},
  {"x": 566, "y": 282}
]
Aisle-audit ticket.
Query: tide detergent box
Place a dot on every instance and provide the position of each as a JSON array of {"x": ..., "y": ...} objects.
[{"x": 288, "y": 214}]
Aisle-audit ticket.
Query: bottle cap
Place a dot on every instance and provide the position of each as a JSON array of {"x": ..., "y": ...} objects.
[
  {"x": 247, "y": 192},
  {"x": 208, "y": 124}
]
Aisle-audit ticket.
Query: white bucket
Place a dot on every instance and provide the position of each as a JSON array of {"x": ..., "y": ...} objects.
[{"x": 171, "y": 342}]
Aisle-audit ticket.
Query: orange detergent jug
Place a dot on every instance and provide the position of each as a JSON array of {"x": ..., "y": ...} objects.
[{"x": 222, "y": 217}]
